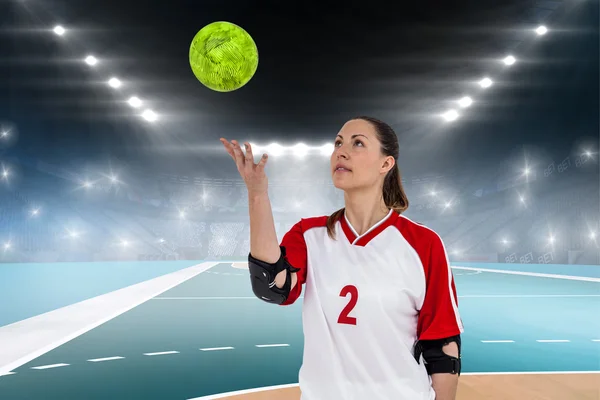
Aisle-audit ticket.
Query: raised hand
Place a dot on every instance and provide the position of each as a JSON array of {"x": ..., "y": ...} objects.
[{"x": 253, "y": 174}]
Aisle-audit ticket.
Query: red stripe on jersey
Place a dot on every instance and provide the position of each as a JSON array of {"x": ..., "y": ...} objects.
[
  {"x": 296, "y": 253},
  {"x": 438, "y": 317}
]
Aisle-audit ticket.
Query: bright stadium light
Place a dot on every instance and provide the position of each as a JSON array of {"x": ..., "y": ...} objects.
[
  {"x": 5, "y": 173},
  {"x": 593, "y": 235},
  {"x": 541, "y": 30},
  {"x": 35, "y": 212},
  {"x": 59, "y": 30},
  {"x": 327, "y": 149},
  {"x": 485, "y": 83},
  {"x": 450, "y": 115},
  {"x": 114, "y": 83},
  {"x": 91, "y": 60},
  {"x": 4, "y": 134},
  {"x": 509, "y": 60},
  {"x": 300, "y": 150},
  {"x": 275, "y": 149},
  {"x": 588, "y": 154},
  {"x": 6, "y": 245},
  {"x": 134, "y": 102},
  {"x": 465, "y": 102},
  {"x": 182, "y": 214},
  {"x": 124, "y": 243},
  {"x": 87, "y": 184},
  {"x": 149, "y": 116},
  {"x": 551, "y": 239}
]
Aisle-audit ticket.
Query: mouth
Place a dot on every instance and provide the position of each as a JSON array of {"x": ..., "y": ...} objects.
[{"x": 341, "y": 169}]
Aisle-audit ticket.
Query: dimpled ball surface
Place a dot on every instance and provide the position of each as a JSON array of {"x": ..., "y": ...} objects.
[{"x": 223, "y": 56}]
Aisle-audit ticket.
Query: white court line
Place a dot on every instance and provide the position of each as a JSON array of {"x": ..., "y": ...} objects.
[
  {"x": 536, "y": 274},
  {"x": 497, "y": 341},
  {"x": 273, "y": 345},
  {"x": 293, "y": 385},
  {"x": 553, "y": 341},
  {"x": 31, "y": 355},
  {"x": 50, "y": 366},
  {"x": 106, "y": 359},
  {"x": 8, "y": 373},
  {"x": 595, "y": 340},
  {"x": 217, "y": 348},
  {"x": 161, "y": 353}
]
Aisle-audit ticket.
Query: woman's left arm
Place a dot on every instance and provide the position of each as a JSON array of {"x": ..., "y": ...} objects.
[
  {"x": 439, "y": 320},
  {"x": 445, "y": 385}
]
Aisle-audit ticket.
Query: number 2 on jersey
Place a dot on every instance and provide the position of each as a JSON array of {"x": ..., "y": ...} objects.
[{"x": 353, "y": 292}]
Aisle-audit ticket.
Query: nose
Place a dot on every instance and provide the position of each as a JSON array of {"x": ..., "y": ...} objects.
[{"x": 340, "y": 152}]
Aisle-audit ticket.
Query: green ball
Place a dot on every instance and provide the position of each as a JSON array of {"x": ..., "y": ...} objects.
[{"x": 223, "y": 56}]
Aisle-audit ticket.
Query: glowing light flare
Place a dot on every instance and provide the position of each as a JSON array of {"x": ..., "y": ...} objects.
[
  {"x": 134, "y": 102},
  {"x": 149, "y": 116},
  {"x": 114, "y": 83},
  {"x": 486, "y": 83},
  {"x": 59, "y": 30},
  {"x": 541, "y": 30},
  {"x": 450, "y": 115},
  {"x": 465, "y": 102},
  {"x": 509, "y": 60},
  {"x": 91, "y": 60}
]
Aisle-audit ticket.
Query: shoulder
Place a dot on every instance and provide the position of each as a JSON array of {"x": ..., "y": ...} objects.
[
  {"x": 299, "y": 229},
  {"x": 308, "y": 223},
  {"x": 415, "y": 232}
]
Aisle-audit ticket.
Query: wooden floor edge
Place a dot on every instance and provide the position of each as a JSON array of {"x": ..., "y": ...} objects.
[{"x": 495, "y": 385}]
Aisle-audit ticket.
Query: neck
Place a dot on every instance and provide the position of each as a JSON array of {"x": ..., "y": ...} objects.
[{"x": 364, "y": 209}]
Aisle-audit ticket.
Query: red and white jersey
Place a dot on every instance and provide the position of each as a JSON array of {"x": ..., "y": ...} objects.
[{"x": 367, "y": 299}]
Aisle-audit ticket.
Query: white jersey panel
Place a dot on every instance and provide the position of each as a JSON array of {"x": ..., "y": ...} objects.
[{"x": 360, "y": 315}]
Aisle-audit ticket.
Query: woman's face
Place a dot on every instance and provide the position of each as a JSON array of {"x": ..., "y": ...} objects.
[{"x": 356, "y": 161}]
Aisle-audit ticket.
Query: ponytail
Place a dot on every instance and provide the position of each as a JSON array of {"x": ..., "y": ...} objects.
[{"x": 332, "y": 220}]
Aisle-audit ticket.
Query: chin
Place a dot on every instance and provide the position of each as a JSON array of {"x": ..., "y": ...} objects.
[{"x": 341, "y": 184}]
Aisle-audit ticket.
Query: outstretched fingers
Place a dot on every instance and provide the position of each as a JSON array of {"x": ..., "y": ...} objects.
[
  {"x": 263, "y": 161},
  {"x": 240, "y": 161},
  {"x": 228, "y": 147}
]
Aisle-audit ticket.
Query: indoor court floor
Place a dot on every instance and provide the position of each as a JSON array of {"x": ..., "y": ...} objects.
[{"x": 526, "y": 337}]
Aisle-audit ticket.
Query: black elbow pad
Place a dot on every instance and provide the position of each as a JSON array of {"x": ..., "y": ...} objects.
[
  {"x": 436, "y": 360},
  {"x": 262, "y": 278}
]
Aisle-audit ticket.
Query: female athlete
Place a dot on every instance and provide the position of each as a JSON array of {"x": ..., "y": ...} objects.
[{"x": 380, "y": 310}]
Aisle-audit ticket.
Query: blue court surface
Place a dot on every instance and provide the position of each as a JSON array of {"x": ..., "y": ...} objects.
[{"x": 211, "y": 335}]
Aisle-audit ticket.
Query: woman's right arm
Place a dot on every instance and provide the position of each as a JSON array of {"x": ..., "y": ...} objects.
[{"x": 263, "y": 238}]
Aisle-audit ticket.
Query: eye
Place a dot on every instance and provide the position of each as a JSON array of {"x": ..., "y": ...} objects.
[
  {"x": 337, "y": 142},
  {"x": 359, "y": 142}
]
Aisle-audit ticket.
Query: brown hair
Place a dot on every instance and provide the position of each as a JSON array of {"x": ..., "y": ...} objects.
[{"x": 394, "y": 196}]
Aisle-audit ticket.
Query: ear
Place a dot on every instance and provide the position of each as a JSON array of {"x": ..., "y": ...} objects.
[{"x": 388, "y": 163}]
